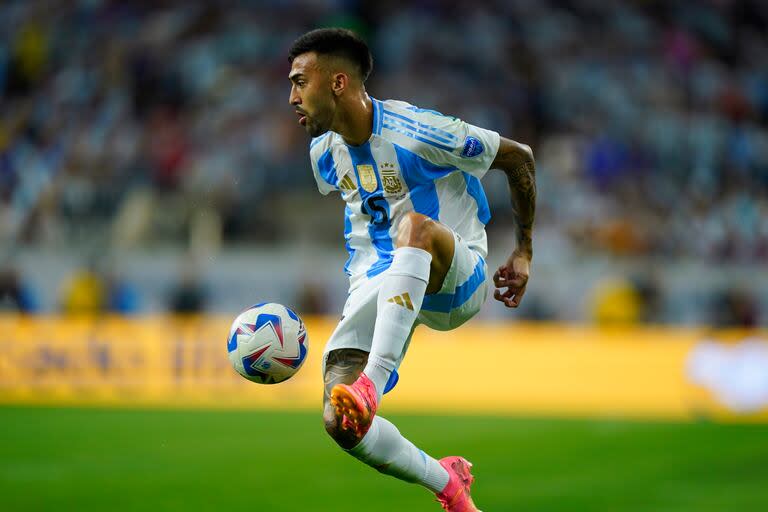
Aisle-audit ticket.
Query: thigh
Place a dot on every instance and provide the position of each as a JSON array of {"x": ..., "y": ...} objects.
[
  {"x": 463, "y": 293},
  {"x": 443, "y": 251},
  {"x": 433, "y": 236}
]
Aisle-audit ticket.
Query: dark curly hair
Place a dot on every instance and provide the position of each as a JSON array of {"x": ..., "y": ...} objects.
[{"x": 338, "y": 42}]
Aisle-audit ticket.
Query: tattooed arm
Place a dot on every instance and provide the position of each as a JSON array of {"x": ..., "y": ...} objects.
[{"x": 516, "y": 160}]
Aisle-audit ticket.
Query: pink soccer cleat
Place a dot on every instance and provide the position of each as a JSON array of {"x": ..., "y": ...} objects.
[
  {"x": 455, "y": 497},
  {"x": 357, "y": 404}
]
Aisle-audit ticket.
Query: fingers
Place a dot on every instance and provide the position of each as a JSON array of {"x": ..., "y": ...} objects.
[
  {"x": 516, "y": 299},
  {"x": 505, "y": 277},
  {"x": 501, "y": 297},
  {"x": 497, "y": 277},
  {"x": 515, "y": 282},
  {"x": 511, "y": 298},
  {"x": 508, "y": 298}
]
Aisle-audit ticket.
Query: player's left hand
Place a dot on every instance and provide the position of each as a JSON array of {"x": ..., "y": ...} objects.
[{"x": 513, "y": 276}]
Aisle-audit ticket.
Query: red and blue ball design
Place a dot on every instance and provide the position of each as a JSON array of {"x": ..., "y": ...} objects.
[{"x": 267, "y": 343}]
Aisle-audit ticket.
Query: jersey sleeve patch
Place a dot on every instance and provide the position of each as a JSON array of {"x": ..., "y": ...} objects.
[{"x": 472, "y": 147}]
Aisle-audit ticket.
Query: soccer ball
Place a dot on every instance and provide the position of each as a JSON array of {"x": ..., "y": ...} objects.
[{"x": 267, "y": 343}]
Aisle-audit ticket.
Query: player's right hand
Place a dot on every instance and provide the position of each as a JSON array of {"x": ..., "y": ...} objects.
[{"x": 513, "y": 276}]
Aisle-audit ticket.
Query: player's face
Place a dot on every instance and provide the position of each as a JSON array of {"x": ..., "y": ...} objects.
[{"x": 311, "y": 94}]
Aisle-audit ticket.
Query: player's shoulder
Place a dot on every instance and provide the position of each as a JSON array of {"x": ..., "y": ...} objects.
[
  {"x": 410, "y": 125},
  {"x": 398, "y": 109},
  {"x": 319, "y": 145}
]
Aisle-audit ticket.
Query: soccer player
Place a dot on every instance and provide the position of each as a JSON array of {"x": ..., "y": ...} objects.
[{"x": 414, "y": 228}]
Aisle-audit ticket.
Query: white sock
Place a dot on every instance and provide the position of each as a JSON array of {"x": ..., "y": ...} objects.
[
  {"x": 387, "y": 451},
  {"x": 398, "y": 305}
]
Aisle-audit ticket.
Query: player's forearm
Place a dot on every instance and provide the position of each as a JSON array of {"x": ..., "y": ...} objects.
[{"x": 516, "y": 160}]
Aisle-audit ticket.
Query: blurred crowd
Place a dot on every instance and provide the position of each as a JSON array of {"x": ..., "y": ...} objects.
[{"x": 134, "y": 123}]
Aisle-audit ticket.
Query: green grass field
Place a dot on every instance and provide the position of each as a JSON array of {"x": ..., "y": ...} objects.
[{"x": 92, "y": 459}]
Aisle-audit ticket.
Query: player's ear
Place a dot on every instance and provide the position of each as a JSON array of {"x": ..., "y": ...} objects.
[{"x": 339, "y": 83}]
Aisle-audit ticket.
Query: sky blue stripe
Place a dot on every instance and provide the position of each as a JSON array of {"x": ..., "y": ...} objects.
[
  {"x": 316, "y": 140},
  {"x": 407, "y": 126},
  {"x": 423, "y": 192},
  {"x": 422, "y": 125},
  {"x": 420, "y": 169},
  {"x": 347, "y": 237},
  {"x": 417, "y": 137},
  {"x": 475, "y": 189},
  {"x": 465, "y": 290},
  {"x": 378, "y": 232},
  {"x": 380, "y": 266},
  {"x": 377, "y": 116},
  {"x": 327, "y": 168},
  {"x": 417, "y": 109},
  {"x": 445, "y": 302},
  {"x": 437, "y": 302}
]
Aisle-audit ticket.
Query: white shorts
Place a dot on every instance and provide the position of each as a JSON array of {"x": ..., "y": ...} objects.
[{"x": 464, "y": 291}]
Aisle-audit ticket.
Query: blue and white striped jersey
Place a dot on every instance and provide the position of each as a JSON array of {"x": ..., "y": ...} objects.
[{"x": 416, "y": 160}]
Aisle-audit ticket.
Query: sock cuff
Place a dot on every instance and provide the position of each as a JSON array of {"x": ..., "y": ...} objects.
[
  {"x": 363, "y": 448},
  {"x": 378, "y": 361},
  {"x": 411, "y": 261},
  {"x": 436, "y": 477}
]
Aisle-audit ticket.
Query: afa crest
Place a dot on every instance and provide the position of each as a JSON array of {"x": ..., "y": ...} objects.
[
  {"x": 390, "y": 179},
  {"x": 367, "y": 176}
]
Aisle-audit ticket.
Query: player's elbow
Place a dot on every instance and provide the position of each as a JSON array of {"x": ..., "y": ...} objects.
[
  {"x": 513, "y": 154},
  {"x": 527, "y": 153},
  {"x": 521, "y": 154}
]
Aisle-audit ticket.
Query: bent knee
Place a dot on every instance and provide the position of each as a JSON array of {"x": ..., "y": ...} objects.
[
  {"x": 416, "y": 230},
  {"x": 345, "y": 438},
  {"x": 331, "y": 423}
]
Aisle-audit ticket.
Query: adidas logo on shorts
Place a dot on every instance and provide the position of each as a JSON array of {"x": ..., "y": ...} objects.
[{"x": 402, "y": 300}]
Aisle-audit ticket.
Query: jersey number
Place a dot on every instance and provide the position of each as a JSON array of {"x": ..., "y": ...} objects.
[{"x": 374, "y": 206}]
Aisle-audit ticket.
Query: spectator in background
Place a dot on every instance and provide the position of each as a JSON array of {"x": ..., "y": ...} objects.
[
  {"x": 735, "y": 307},
  {"x": 92, "y": 291},
  {"x": 672, "y": 116},
  {"x": 15, "y": 295},
  {"x": 648, "y": 289},
  {"x": 627, "y": 300},
  {"x": 85, "y": 293},
  {"x": 616, "y": 301},
  {"x": 122, "y": 296},
  {"x": 189, "y": 295},
  {"x": 313, "y": 298}
]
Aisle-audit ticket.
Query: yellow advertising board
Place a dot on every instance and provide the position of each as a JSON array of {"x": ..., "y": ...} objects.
[{"x": 542, "y": 369}]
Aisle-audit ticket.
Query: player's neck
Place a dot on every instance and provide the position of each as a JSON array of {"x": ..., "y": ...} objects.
[{"x": 355, "y": 120}]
